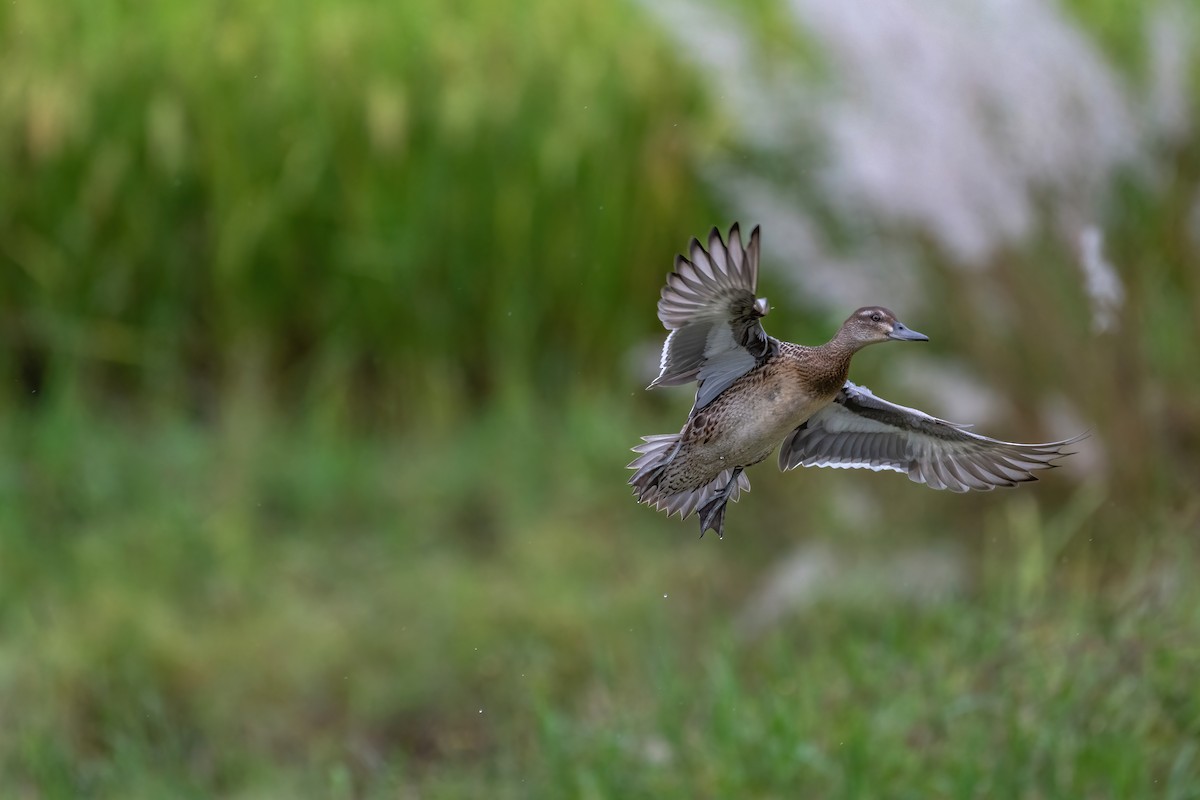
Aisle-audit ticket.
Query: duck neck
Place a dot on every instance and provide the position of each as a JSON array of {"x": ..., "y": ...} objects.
[
  {"x": 836, "y": 354},
  {"x": 843, "y": 345}
]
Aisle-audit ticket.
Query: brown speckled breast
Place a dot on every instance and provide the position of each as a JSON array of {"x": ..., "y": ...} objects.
[{"x": 747, "y": 421}]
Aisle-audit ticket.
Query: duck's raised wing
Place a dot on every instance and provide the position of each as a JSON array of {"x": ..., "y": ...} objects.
[
  {"x": 710, "y": 308},
  {"x": 861, "y": 431}
]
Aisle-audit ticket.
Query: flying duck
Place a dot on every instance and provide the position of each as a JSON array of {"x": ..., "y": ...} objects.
[{"x": 755, "y": 391}]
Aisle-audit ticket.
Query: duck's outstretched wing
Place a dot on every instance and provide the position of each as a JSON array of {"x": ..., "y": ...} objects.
[
  {"x": 710, "y": 308},
  {"x": 861, "y": 431}
]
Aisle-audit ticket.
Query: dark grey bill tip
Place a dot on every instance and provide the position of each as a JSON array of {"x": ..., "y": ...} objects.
[{"x": 905, "y": 334}]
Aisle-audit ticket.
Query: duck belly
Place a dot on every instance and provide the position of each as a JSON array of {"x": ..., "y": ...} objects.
[{"x": 749, "y": 421}]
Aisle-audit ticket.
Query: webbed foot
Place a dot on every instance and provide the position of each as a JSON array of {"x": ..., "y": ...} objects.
[
  {"x": 712, "y": 517},
  {"x": 712, "y": 514}
]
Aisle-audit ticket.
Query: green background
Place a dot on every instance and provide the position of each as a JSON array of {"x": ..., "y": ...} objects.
[{"x": 323, "y": 333}]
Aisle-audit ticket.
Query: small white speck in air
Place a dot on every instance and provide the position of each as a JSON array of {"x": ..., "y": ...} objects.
[
  {"x": 664, "y": 597},
  {"x": 481, "y": 711}
]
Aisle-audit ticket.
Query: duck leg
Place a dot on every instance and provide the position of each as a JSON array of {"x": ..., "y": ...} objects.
[{"x": 712, "y": 515}]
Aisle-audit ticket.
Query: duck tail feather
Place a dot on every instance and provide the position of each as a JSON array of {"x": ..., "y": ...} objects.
[{"x": 655, "y": 453}]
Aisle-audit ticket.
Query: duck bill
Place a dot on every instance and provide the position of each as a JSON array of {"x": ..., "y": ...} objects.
[{"x": 903, "y": 333}]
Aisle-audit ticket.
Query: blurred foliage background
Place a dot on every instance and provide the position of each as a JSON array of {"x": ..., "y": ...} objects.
[{"x": 323, "y": 333}]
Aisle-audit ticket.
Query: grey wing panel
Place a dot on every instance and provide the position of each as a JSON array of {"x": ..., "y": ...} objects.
[
  {"x": 720, "y": 372},
  {"x": 683, "y": 355}
]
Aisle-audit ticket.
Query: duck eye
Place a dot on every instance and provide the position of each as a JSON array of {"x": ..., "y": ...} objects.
[{"x": 876, "y": 317}]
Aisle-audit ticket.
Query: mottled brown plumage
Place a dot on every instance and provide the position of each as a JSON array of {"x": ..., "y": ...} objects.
[{"x": 755, "y": 391}]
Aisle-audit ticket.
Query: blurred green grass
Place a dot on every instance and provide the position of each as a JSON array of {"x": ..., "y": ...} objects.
[
  {"x": 319, "y": 327},
  {"x": 272, "y": 611},
  {"x": 391, "y": 209}
]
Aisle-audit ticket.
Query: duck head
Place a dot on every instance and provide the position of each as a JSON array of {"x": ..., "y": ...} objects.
[{"x": 872, "y": 324}]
